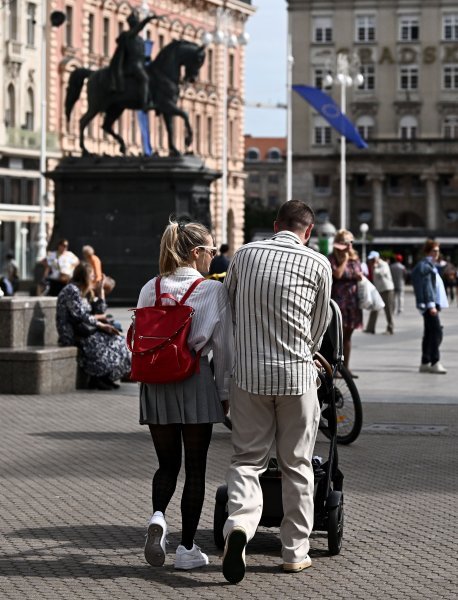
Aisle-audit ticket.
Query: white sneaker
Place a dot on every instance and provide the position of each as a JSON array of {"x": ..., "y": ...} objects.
[
  {"x": 155, "y": 540},
  {"x": 425, "y": 368},
  {"x": 190, "y": 559},
  {"x": 438, "y": 369}
]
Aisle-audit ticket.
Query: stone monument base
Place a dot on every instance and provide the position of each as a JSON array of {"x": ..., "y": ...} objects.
[{"x": 121, "y": 205}]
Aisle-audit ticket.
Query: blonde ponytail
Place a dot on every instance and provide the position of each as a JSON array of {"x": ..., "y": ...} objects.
[{"x": 177, "y": 242}]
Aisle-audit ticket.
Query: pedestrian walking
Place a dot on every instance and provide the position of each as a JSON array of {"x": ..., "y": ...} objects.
[
  {"x": 398, "y": 274},
  {"x": 279, "y": 292},
  {"x": 449, "y": 275},
  {"x": 380, "y": 273},
  {"x": 9, "y": 276},
  {"x": 430, "y": 298},
  {"x": 182, "y": 413},
  {"x": 219, "y": 264},
  {"x": 347, "y": 270}
]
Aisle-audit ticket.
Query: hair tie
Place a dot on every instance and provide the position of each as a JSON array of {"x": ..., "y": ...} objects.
[{"x": 181, "y": 226}]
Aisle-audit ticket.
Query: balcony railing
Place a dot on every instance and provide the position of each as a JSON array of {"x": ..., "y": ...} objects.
[
  {"x": 30, "y": 140},
  {"x": 394, "y": 147}
]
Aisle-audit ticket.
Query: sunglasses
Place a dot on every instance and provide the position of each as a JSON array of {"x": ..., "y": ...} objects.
[{"x": 211, "y": 250}]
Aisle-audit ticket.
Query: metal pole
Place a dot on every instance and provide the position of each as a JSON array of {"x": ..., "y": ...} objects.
[
  {"x": 343, "y": 165},
  {"x": 224, "y": 149},
  {"x": 41, "y": 246},
  {"x": 289, "y": 121}
]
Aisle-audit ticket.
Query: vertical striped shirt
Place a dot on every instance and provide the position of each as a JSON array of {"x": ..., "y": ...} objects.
[{"x": 279, "y": 292}]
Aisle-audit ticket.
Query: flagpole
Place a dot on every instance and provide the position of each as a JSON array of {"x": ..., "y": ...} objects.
[
  {"x": 289, "y": 120},
  {"x": 343, "y": 163}
]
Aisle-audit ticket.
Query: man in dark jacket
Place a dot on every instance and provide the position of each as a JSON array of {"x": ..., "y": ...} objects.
[{"x": 430, "y": 297}]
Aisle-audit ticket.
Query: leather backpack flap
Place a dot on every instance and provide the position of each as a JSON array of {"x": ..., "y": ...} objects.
[{"x": 156, "y": 325}]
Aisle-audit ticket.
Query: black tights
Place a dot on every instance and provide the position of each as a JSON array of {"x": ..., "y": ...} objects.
[{"x": 167, "y": 442}]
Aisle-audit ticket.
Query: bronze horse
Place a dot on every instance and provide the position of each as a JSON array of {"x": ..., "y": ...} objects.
[{"x": 164, "y": 79}]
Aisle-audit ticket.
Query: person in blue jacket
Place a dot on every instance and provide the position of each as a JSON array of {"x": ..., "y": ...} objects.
[{"x": 430, "y": 298}]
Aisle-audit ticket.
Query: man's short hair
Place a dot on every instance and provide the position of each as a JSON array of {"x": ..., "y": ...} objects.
[
  {"x": 224, "y": 248},
  {"x": 429, "y": 245},
  {"x": 295, "y": 215}
]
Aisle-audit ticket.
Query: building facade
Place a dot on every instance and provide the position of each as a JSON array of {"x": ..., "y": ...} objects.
[
  {"x": 265, "y": 166},
  {"x": 405, "y": 184},
  {"x": 87, "y": 38}
]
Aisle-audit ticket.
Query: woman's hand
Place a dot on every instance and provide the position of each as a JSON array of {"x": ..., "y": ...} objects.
[
  {"x": 107, "y": 328},
  {"x": 225, "y": 404},
  {"x": 101, "y": 317}
]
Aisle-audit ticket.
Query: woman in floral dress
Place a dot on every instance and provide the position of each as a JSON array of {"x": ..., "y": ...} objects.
[
  {"x": 103, "y": 352},
  {"x": 346, "y": 272}
]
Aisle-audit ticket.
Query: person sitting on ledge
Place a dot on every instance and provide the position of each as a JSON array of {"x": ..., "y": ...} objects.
[{"x": 103, "y": 355}]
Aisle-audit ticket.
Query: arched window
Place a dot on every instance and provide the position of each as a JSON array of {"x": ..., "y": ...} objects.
[
  {"x": 365, "y": 125},
  {"x": 274, "y": 154},
  {"x": 30, "y": 111},
  {"x": 450, "y": 127},
  {"x": 408, "y": 127},
  {"x": 10, "y": 116},
  {"x": 253, "y": 154}
]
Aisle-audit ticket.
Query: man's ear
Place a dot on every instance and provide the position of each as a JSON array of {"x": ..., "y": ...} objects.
[
  {"x": 276, "y": 227},
  {"x": 308, "y": 232}
]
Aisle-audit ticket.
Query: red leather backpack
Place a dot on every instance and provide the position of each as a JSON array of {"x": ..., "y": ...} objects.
[{"x": 158, "y": 340}]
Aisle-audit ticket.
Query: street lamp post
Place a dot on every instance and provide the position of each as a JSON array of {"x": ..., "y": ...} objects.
[
  {"x": 346, "y": 74},
  {"x": 222, "y": 37},
  {"x": 364, "y": 228}
]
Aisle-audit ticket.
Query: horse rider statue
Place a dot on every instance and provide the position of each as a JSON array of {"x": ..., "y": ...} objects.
[{"x": 129, "y": 58}]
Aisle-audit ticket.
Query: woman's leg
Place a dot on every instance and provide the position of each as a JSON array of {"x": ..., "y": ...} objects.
[
  {"x": 347, "y": 333},
  {"x": 196, "y": 440},
  {"x": 167, "y": 442}
]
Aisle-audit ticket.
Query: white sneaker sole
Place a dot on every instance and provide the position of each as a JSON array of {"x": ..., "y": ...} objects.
[
  {"x": 154, "y": 552},
  {"x": 191, "y": 565}
]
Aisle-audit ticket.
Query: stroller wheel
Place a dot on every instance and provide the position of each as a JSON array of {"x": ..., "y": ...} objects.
[
  {"x": 220, "y": 516},
  {"x": 335, "y": 528}
]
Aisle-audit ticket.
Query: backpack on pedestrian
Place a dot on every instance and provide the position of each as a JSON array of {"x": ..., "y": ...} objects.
[{"x": 158, "y": 339}]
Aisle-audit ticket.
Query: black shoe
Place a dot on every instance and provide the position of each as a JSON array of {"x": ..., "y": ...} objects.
[
  {"x": 112, "y": 385},
  {"x": 234, "y": 555},
  {"x": 97, "y": 383}
]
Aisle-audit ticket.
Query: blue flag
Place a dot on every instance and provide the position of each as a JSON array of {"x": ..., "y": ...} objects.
[
  {"x": 142, "y": 116},
  {"x": 328, "y": 109}
]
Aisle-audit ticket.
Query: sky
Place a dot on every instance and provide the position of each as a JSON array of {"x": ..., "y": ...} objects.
[{"x": 265, "y": 68}]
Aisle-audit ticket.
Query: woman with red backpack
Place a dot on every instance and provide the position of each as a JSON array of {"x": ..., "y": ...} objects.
[{"x": 181, "y": 413}]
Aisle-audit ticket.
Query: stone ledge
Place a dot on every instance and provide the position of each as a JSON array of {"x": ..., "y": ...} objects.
[{"x": 38, "y": 370}]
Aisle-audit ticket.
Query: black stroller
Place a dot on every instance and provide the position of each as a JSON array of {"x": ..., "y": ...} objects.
[{"x": 328, "y": 492}]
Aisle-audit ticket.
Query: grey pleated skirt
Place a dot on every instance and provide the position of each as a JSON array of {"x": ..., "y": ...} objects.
[{"x": 194, "y": 400}]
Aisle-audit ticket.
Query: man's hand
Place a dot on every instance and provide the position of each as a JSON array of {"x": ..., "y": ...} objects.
[{"x": 432, "y": 311}]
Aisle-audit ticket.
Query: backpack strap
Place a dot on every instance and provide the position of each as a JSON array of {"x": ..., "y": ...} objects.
[{"x": 191, "y": 288}]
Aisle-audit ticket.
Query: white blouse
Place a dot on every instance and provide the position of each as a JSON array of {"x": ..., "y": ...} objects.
[{"x": 211, "y": 327}]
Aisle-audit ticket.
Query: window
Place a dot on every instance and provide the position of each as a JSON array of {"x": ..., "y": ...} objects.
[
  {"x": 365, "y": 127},
  {"x": 13, "y": 19},
  {"x": 450, "y": 127},
  {"x": 408, "y": 126},
  {"x": 450, "y": 77},
  {"x": 90, "y": 25},
  {"x": 29, "y": 113},
  {"x": 210, "y": 135},
  {"x": 231, "y": 73},
  {"x": 322, "y": 184},
  {"x": 106, "y": 36},
  {"x": 409, "y": 29},
  {"x": 450, "y": 28},
  {"x": 209, "y": 65},
  {"x": 273, "y": 200},
  {"x": 365, "y": 28},
  {"x": 69, "y": 26},
  {"x": 31, "y": 191},
  {"x": 322, "y": 30},
  {"x": 31, "y": 11},
  {"x": 416, "y": 186},
  {"x": 362, "y": 185},
  {"x": 368, "y": 72},
  {"x": 318, "y": 77},
  {"x": 408, "y": 77},
  {"x": 254, "y": 178},
  {"x": 274, "y": 154},
  {"x": 394, "y": 184},
  {"x": 321, "y": 132},
  {"x": 253, "y": 154},
  {"x": 273, "y": 178},
  {"x": 10, "y": 116}
]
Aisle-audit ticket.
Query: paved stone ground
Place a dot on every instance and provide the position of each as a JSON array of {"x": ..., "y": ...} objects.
[{"x": 75, "y": 493}]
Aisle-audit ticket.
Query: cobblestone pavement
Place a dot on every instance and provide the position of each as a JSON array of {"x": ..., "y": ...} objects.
[{"x": 75, "y": 494}]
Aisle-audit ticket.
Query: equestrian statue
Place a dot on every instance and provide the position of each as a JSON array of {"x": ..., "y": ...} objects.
[{"x": 130, "y": 83}]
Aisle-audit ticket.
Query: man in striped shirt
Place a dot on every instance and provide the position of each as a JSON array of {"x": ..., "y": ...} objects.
[{"x": 279, "y": 292}]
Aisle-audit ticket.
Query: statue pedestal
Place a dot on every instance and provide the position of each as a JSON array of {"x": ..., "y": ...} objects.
[{"x": 121, "y": 205}]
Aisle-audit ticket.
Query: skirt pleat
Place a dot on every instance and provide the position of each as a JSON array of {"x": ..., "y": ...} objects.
[{"x": 192, "y": 401}]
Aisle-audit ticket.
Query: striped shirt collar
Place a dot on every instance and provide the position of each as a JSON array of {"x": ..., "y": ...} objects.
[{"x": 288, "y": 236}]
